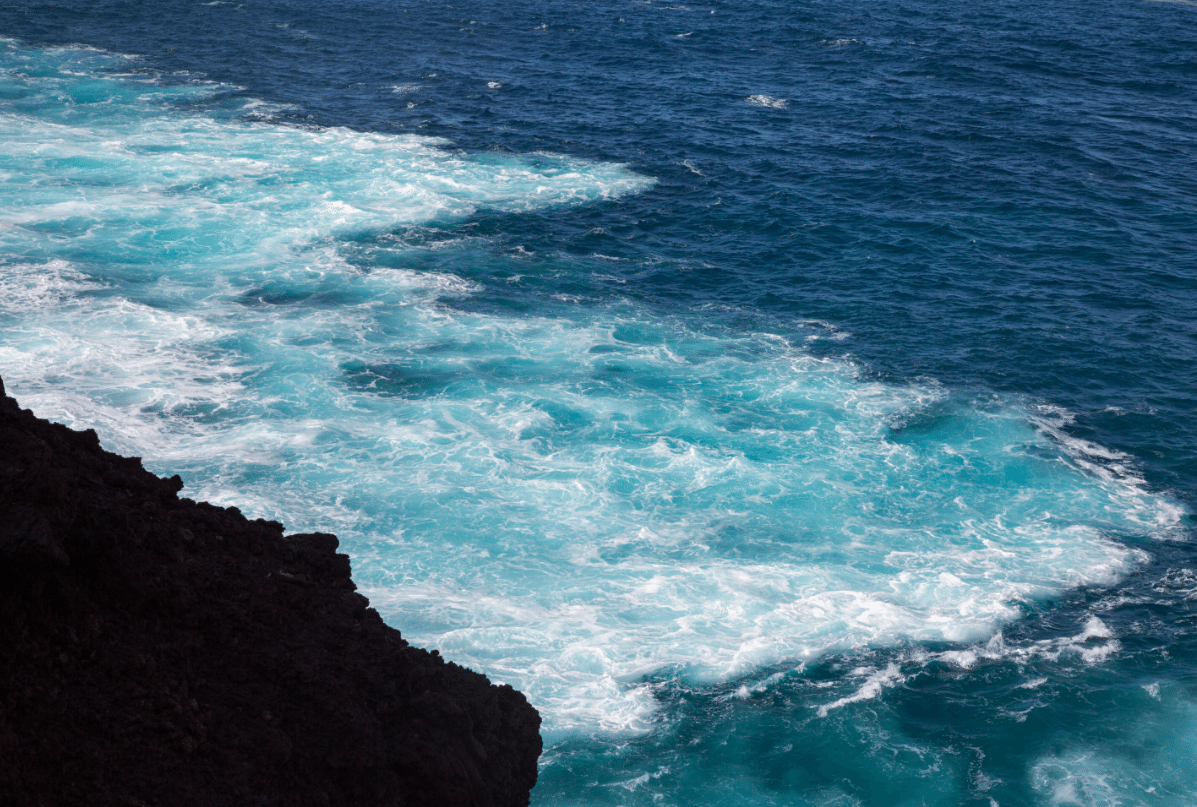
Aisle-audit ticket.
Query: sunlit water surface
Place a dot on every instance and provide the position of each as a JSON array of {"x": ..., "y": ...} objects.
[{"x": 797, "y": 403}]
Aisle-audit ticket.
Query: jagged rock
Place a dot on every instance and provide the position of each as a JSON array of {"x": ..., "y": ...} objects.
[{"x": 159, "y": 651}]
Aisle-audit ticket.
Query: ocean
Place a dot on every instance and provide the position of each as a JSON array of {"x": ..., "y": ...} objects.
[{"x": 797, "y": 401}]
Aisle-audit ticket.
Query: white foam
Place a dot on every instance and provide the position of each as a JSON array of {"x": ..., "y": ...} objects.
[
  {"x": 1082, "y": 645},
  {"x": 201, "y": 175},
  {"x": 875, "y": 682},
  {"x": 38, "y": 288},
  {"x": 568, "y": 501},
  {"x": 824, "y": 330},
  {"x": 1164, "y": 519},
  {"x": 720, "y": 618},
  {"x": 769, "y": 101}
]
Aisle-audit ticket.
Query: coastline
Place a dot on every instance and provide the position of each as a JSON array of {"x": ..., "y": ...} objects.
[{"x": 157, "y": 650}]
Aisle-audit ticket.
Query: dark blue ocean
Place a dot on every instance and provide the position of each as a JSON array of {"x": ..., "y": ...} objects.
[{"x": 796, "y": 400}]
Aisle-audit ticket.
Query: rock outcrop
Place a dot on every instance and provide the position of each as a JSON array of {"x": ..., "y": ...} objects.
[{"x": 159, "y": 651}]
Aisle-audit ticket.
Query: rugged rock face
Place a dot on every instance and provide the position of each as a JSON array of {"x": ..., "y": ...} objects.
[{"x": 159, "y": 651}]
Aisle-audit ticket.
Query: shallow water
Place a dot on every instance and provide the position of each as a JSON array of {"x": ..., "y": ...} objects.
[{"x": 796, "y": 403}]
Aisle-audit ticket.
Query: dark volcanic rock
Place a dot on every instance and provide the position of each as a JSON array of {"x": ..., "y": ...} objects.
[{"x": 156, "y": 651}]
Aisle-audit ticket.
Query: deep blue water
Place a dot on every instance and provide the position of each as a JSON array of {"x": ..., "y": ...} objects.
[{"x": 798, "y": 401}]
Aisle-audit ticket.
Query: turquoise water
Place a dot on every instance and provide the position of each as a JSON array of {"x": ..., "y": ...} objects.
[{"x": 764, "y": 487}]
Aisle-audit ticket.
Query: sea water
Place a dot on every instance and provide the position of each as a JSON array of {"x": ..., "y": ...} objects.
[{"x": 796, "y": 401}]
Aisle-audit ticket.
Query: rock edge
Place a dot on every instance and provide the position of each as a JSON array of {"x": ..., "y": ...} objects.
[{"x": 160, "y": 651}]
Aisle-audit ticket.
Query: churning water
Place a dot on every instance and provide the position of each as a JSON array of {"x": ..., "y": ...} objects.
[{"x": 796, "y": 402}]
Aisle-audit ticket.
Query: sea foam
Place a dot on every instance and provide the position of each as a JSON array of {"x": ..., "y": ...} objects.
[{"x": 573, "y": 498}]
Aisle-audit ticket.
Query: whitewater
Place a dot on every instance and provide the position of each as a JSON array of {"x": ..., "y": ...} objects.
[{"x": 742, "y": 538}]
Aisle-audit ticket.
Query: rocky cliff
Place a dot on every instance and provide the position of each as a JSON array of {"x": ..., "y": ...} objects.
[{"x": 159, "y": 651}]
